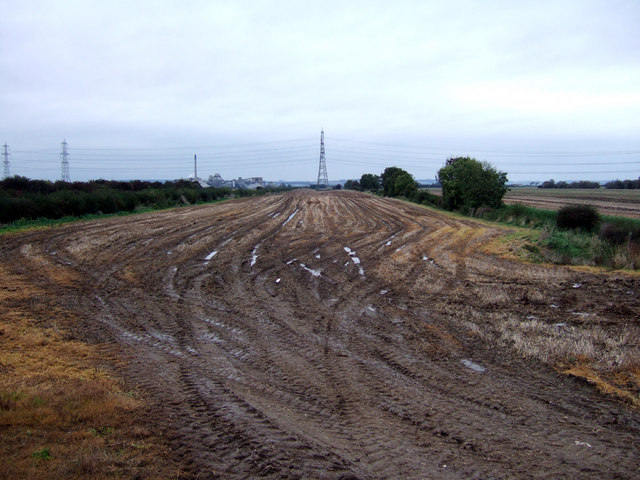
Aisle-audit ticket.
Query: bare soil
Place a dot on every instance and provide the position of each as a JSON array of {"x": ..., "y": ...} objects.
[
  {"x": 338, "y": 335},
  {"x": 624, "y": 203}
]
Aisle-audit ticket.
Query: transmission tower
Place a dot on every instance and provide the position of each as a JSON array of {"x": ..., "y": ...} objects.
[
  {"x": 65, "y": 162},
  {"x": 323, "y": 181},
  {"x": 5, "y": 161}
]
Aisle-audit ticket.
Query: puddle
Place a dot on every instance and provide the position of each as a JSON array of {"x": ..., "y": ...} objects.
[
  {"x": 290, "y": 217},
  {"x": 254, "y": 255},
  {"x": 473, "y": 366},
  {"x": 315, "y": 273}
]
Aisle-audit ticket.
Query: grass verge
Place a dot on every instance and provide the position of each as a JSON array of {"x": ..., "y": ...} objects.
[
  {"x": 62, "y": 414},
  {"x": 547, "y": 243}
]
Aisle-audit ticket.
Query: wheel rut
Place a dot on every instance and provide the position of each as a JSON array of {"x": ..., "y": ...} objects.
[{"x": 325, "y": 335}]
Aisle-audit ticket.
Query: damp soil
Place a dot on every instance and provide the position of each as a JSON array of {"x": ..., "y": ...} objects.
[{"x": 326, "y": 335}]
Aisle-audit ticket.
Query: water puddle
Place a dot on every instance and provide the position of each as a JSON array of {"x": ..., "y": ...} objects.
[
  {"x": 473, "y": 366},
  {"x": 290, "y": 217}
]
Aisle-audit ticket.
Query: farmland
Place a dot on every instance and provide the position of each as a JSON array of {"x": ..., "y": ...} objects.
[
  {"x": 614, "y": 202},
  {"x": 608, "y": 202},
  {"x": 337, "y": 335}
]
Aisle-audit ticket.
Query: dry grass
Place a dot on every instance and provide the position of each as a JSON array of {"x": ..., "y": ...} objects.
[
  {"x": 610, "y": 360},
  {"x": 61, "y": 414}
]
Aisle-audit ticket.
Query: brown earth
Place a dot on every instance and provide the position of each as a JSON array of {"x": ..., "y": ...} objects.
[
  {"x": 339, "y": 335},
  {"x": 604, "y": 206}
]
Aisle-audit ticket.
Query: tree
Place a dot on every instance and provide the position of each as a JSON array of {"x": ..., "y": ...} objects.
[
  {"x": 351, "y": 185},
  {"x": 388, "y": 180},
  {"x": 468, "y": 183},
  {"x": 369, "y": 181},
  {"x": 405, "y": 185}
]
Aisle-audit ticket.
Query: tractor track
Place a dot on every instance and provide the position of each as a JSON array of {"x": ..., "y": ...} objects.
[{"x": 321, "y": 335}]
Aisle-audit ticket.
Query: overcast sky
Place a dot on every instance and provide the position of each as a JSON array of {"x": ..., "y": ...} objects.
[{"x": 541, "y": 89}]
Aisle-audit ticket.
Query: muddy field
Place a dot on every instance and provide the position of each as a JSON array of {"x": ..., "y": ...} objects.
[
  {"x": 339, "y": 335},
  {"x": 614, "y": 202},
  {"x": 624, "y": 203}
]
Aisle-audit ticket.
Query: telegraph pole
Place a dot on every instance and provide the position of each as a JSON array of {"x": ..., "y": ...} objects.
[
  {"x": 5, "y": 160},
  {"x": 65, "y": 162},
  {"x": 323, "y": 181},
  {"x": 195, "y": 167}
]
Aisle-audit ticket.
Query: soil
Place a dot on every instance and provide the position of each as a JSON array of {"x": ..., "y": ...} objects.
[
  {"x": 605, "y": 206},
  {"x": 326, "y": 335}
]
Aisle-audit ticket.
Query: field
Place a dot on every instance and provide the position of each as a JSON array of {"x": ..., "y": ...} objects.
[
  {"x": 314, "y": 335},
  {"x": 614, "y": 202},
  {"x": 608, "y": 202}
]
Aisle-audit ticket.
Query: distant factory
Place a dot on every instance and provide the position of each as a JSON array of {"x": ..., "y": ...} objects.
[{"x": 249, "y": 183}]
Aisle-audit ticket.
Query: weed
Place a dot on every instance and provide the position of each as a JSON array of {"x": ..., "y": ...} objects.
[{"x": 43, "y": 454}]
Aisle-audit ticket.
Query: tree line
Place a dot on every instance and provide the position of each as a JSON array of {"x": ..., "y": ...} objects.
[
  {"x": 22, "y": 198},
  {"x": 562, "y": 184},
  {"x": 623, "y": 184},
  {"x": 466, "y": 183},
  {"x": 615, "y": 184}
]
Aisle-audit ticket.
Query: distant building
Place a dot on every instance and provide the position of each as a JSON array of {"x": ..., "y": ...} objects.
[
  {"x": 216, "y": 181},
  {"x": 250, "y": 183}
]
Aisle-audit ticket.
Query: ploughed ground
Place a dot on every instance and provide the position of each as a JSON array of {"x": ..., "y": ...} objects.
[{"x": 339, "y": 335}]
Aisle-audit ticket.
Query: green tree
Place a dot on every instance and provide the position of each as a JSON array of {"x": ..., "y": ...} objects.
[
  {"x": 369, "y": 181},
  {"x": 351, "y": 185},
  {"x": 468, "y": 183},
  {"x": 388, "y": 180},
  {"x": 405, "y": 185}
]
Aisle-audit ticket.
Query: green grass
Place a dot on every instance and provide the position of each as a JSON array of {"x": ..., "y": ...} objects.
[
  {"x": 43, "y": 453},
  {"x": 24, "y": 224},
  {"x": 569, "y": 247},
  {"x": 549, "y": 244}
]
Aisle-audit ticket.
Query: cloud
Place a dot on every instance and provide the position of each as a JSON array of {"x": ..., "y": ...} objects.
[{"x": 187, "y": 73}]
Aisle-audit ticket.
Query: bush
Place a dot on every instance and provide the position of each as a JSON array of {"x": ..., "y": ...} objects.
[
  {"x": 617, "y": 234},
  {"x": 578, "y": 217},
  {"x": 424, "y": 197}
]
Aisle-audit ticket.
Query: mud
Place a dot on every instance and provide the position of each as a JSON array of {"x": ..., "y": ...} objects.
[
  {"x": 605, "y": 206},
  {"x": 269, "y": 351}
]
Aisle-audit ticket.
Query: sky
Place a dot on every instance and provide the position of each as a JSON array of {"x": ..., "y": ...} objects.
[{"x": 540, "y": 89}]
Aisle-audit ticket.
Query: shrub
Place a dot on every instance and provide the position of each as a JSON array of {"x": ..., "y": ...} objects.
[
  {"x": 578, "y": 217},
  {"x": 617, "y": 234}
]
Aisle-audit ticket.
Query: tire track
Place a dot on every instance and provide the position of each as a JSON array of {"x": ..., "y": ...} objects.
[{"x": 277, "y": 357}]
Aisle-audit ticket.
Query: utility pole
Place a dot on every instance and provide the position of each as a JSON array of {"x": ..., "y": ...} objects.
[
  {"x": 323, "y": 181},
  {"x": 5, "y": 160},
  {"x": 195, "y": 167},
  {"x": 65, "y": 162}
]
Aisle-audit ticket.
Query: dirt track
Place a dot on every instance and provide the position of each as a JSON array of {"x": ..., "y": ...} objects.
[{"x": 330, "y": 335}]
